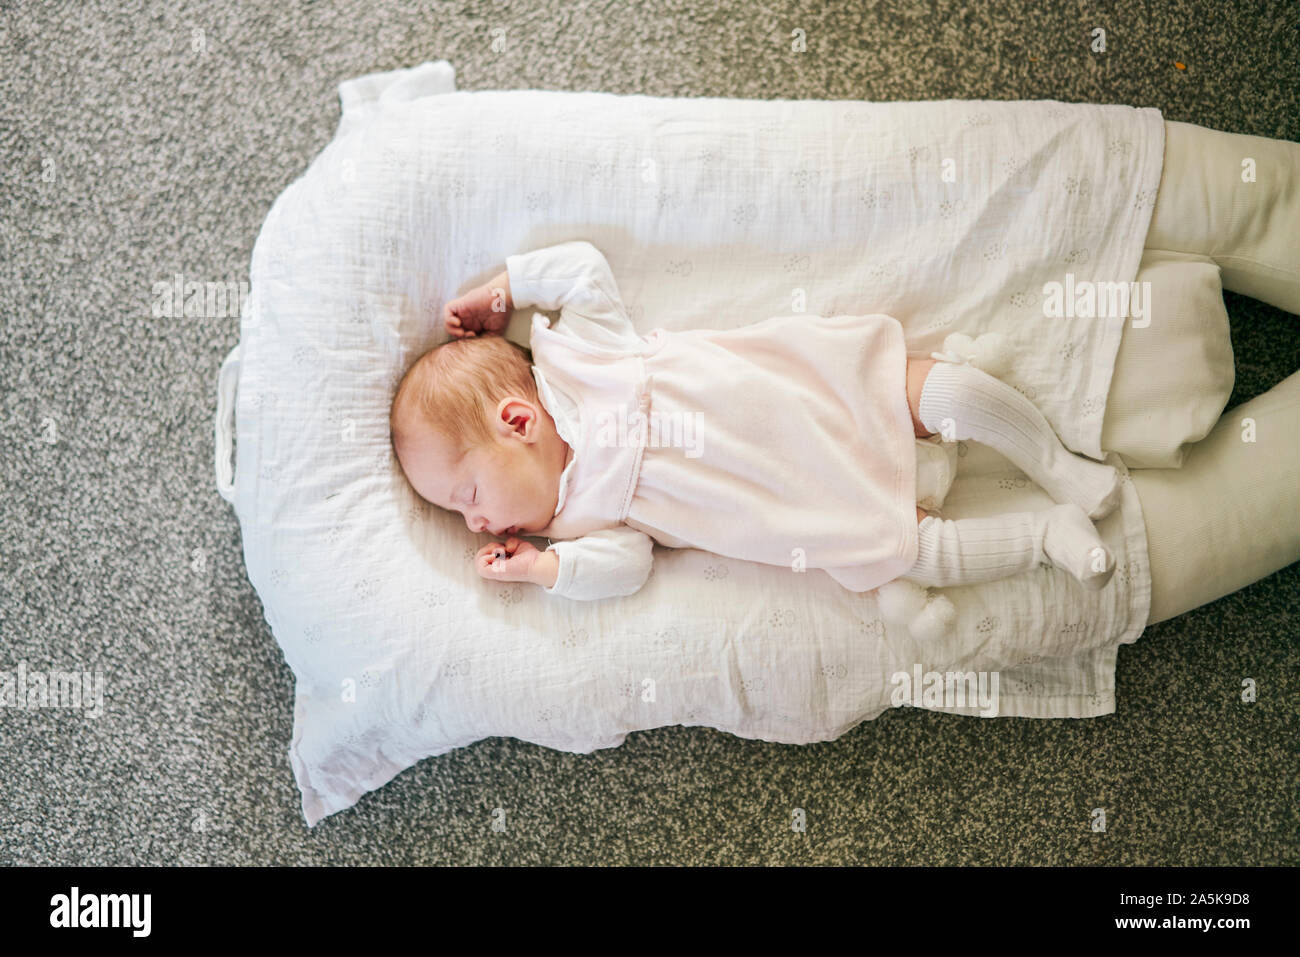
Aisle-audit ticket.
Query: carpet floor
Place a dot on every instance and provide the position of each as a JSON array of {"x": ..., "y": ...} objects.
[{"x": 140, "y": 139}]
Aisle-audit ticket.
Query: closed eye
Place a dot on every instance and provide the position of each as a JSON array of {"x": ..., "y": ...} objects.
[{"x": 475, "y": 498}]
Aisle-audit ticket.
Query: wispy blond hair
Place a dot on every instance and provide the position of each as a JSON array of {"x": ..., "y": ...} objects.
[{"x": 454, "y": 388}]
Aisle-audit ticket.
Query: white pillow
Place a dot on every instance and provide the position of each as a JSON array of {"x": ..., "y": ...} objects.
[{"x": 1174, "y": 377}]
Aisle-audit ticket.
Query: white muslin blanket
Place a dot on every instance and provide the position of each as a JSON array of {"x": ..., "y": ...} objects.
[{"x": 952, "y": 217}]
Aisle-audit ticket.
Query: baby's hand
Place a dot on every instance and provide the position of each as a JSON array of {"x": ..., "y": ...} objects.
[
  {"x": 514, "y": 565},
  {"x": 481, "y": 311}
]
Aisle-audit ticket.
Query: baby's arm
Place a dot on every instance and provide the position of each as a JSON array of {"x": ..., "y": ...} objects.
[
  {"x": 575, "y": 278},
  {"x": 603, "y": 564}
]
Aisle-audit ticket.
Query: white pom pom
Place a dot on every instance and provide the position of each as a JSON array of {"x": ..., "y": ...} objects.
[
  {"x": 935, "y": 620},
  {"x": 960, "y": 345},
  {"x": 992, "y": 354},
  {"x": 901, "y": 601}
]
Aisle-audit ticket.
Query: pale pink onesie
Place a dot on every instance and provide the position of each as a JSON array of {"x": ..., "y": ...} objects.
[{"x": 787, "y": 442}]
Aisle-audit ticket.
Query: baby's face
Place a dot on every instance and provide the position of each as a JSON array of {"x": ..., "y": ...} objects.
[{"x": 509, "y": 486}]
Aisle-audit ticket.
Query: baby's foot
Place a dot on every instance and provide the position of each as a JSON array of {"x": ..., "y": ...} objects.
[
  {"x": 1071, "y": 544},
  {"x": 1092, "y": 486}
]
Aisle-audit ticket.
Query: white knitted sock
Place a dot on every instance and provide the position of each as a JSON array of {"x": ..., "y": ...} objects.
[
  {"x": 965, "y": 551},
  {"x": 975, "y": 405},
  {"x": 1073, "y": 545}
]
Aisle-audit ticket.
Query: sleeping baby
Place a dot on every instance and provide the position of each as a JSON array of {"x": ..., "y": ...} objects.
[{"x": 790, "y": 441}]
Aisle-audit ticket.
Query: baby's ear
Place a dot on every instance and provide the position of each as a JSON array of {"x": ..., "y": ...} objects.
[{"x": 518, "y": 416}]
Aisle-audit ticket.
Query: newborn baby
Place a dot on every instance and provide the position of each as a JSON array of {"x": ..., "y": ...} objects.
[{"x": 790, "y": 442}]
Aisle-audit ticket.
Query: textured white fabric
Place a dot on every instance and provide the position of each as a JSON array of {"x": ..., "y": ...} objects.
[{"x": 713, "y": 213}]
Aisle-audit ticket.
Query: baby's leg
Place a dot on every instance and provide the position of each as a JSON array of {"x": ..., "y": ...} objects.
[
  {"x": 1236, "y": 199},
  {"x": 960, "y": 401},
  {"x": 966, "y": 551},
  {"x": 917, "y": 370}
]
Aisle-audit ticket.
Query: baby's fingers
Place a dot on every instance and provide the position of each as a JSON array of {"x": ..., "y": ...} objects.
[
  {"x": 453, "y": 323},
  {"x": 460, "y": 318},
  {"x": 487, "y": 567}
]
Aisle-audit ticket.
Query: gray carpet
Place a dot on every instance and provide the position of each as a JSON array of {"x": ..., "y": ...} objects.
[{"x": 130, "y": 155}]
